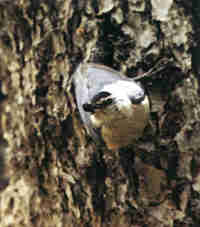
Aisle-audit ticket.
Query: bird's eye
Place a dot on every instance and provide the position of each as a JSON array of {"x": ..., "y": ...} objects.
[
  {"x": 103, "y": 103},
  {"x": 107, "y": 102}
]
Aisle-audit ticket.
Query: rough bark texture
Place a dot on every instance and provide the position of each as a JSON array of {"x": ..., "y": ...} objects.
[{"x": 57, "y": 176}]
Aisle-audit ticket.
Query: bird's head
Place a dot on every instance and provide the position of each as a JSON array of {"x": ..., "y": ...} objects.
[{"x": 115, "y": 102}]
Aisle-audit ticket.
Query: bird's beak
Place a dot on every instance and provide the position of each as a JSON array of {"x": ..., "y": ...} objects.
[{"x": 88, "y": 108}]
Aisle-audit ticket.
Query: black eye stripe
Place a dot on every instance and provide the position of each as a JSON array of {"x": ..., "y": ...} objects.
[
  {"x": 106, "y": 102},
  {"x": 103, "y": 103},
  {"x": 91, "y": 107},
  {"x": 100, "y": 96}
]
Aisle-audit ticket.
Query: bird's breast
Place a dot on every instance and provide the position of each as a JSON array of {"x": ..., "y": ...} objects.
[{"x": 124, "y": 131}]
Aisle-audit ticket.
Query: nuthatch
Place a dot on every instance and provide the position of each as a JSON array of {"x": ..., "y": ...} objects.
[{"x": 112, "y": 107}]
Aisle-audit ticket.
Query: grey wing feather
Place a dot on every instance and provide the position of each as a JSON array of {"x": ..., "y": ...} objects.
[{"x": 88, "y": 80}]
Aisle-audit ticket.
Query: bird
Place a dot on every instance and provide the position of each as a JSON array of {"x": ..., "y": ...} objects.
[{"x": 114, "y": 109}]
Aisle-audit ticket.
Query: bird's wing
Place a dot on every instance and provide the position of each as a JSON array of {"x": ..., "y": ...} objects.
[{"x": 89, "y": 80}]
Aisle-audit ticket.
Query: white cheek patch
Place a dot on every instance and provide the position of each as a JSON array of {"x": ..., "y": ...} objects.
[
  {"x": 121, "y": 86},
  {"x": 121, "y": 91}
]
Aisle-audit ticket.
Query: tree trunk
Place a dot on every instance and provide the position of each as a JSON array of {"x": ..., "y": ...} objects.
[{"x": 54, "y": 174}]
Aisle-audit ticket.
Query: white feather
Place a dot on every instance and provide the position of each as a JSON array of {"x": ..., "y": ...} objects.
[{"x": 122, "y": 91}]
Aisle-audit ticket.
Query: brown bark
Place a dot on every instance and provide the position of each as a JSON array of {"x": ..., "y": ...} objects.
[{"x": 57, "y": 176}]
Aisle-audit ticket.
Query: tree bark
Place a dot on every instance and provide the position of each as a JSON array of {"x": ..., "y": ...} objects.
[{"x": 52, "y": 173}]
